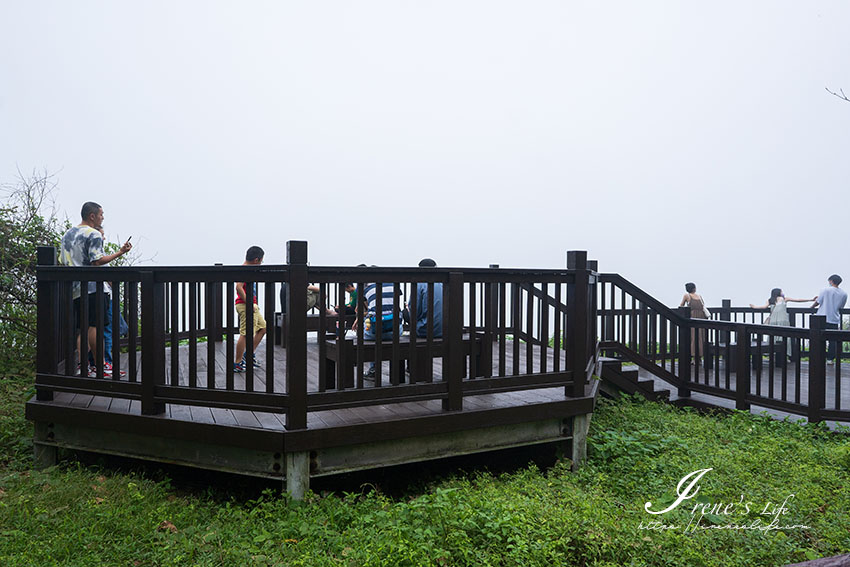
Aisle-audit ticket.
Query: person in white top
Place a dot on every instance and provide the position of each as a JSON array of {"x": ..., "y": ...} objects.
[{"x": 830, "y": 302}]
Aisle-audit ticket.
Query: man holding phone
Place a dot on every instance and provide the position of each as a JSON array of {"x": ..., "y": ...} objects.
[{"x": 82, "y": 245}]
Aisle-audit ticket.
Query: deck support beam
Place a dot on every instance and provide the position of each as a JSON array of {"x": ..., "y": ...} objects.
[
  {"x": 298, "y": 474},
  {"x": 581, "y": 425}
]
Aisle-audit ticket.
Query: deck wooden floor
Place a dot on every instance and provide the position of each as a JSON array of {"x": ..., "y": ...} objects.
[{"x": 316, "y": 419}]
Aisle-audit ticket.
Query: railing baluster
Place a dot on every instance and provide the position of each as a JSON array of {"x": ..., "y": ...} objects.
[
  {"x": 396, "y": 373},
  {"x": 321, "y": 335},
  {"x": 209, "y": 299},
  {"x": 544, "y": 328},
  {"x": 429, "y": 377},
  {"x": 193, "y": 335},
  {"x": 529, "y": 330},
  {"x": 784, "y": 358},
  {"x": 134, "y": 323},
  {"x": 490, "y": 312},
  {"x": 99, "y": 315},
  {"x": 503, "y": 328},
  {"x": 516, "y": 323},
  {"x": 473, "y": 330},
  {"x": 69, "y": 332},
  {"x": 116, "y": 331},
  {"x": 556, "y": 346},
  {"x": 175, "y": 339},
  {"x": 229, "y": 343},
  {"x": 269, "y": 300}
]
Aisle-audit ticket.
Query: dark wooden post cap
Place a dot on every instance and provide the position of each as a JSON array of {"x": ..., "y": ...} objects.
[
  {"x": 577, "y": 260},
  {"x": 46, "y": 256},
  {"x": 296, "y": 252}
]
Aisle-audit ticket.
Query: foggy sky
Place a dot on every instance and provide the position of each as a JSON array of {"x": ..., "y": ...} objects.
[{"x": 675, "y": 141}]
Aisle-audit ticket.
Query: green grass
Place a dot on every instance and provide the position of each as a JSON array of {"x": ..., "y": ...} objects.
[{"x": 84, "y": 515}]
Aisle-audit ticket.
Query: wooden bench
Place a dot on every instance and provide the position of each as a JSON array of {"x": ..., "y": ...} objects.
[
  {"x": 472, "y": 344},
  {"x": 313, "y": 322}
]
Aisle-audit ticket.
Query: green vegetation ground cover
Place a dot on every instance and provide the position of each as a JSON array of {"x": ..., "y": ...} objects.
[{"x": 86, "y": 515}]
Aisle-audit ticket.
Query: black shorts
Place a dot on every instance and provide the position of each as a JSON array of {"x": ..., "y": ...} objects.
[{"x": 92, "y": 310}]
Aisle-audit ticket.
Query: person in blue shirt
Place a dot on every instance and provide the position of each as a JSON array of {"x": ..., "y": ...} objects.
[{"x": 425, "y": 308}]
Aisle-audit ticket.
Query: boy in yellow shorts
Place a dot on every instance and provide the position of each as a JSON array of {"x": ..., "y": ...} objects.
[{"x": 253, "y": 257}]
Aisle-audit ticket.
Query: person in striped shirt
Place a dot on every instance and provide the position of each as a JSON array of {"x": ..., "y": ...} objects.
[{"x": 379, "y": 321}]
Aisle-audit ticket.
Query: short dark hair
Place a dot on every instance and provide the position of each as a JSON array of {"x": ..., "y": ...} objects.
[
  {"x": 89, "y": 208},
  {"x": 427, "y": 263},
  {"x": 836, "y": 279},
  {"x": 347, "y": 285},
  {"x": 254, "y": 253},
  {"x": 690, "y": 287}
]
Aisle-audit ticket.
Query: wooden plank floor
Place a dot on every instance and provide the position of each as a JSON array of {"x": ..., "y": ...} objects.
[{"x": 317, "y": 419}]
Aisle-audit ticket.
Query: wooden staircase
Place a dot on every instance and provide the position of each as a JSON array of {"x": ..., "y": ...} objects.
[{"x": 616, "y": 379}]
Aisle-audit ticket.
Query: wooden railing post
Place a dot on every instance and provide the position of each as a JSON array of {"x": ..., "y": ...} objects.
[
  {"x": 726, "y": 310},
  {"x": 47, "y": 323},
  {"x": 685, "y": 351},
  {"x": 817, "y": 367},
  {"x": 296, "y": 334},
  {"x": 153, "y": 342},
  {"x": 578, "y": 350},
  {"x": 742, "y": 366},
  {"x": 217, "y": 330},
  {"x": 453, "y": 368},
  {"x": 493, "y": 307}
]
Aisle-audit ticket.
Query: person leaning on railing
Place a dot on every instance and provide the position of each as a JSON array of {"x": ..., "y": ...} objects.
[
  {"x": 82, "y": 246},
  {"x": 698, "y": 311},
  {"x": 778, "y": 305}
]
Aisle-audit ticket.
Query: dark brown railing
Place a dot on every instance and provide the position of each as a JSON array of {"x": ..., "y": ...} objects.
[
  {"x": 503, "y": 330},
  {"x": 741, "y": 359}
]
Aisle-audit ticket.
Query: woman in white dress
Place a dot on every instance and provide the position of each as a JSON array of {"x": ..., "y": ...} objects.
[{"x": 778, "y": 305}]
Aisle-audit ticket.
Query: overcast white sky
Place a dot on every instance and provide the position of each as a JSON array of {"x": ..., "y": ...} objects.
[{"x": 674, "y": 141}]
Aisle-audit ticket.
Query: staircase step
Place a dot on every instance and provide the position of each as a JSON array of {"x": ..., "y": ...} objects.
[{"x": 632, "y": 375}]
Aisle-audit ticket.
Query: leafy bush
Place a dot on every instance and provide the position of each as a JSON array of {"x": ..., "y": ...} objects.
[{"x": 28, "y": 219}]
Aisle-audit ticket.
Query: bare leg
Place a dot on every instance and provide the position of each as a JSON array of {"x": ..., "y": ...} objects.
[
  {"x": 701, "y": 342},
  {"x": 258, "y": 337},
  {"x": 693, "y": 343},
  {"x": 93, "y": 342}
]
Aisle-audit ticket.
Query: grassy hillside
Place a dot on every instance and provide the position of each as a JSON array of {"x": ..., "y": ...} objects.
[{"x": 89, "y": 515}]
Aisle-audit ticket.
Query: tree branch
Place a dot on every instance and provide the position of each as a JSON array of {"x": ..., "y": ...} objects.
[{"x": 842, "y": 96}]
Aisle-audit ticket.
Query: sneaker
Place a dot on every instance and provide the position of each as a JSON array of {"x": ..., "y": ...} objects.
[
  {"x": 107, "y": 373},
  {"x": 370, "y": 373},
  {"x": 107, "y": 367},
  {"x": 244, "y": 361},
  {"x": 830, "y": 362},
  {"x": 238, "y": 367}
]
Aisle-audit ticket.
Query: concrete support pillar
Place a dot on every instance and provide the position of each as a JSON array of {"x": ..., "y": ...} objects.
[
  {"x": 44, "y": 455},
  {"x": 298, "y": 474},
  {"x": 581, "y": 424}
]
